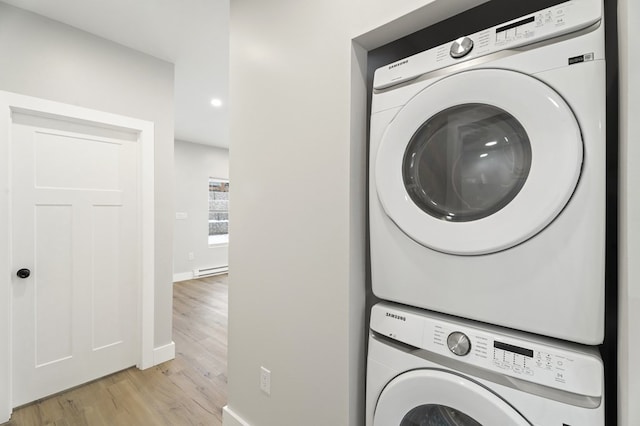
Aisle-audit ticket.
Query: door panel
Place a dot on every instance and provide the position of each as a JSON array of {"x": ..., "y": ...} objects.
[
  {"x": 76, "y": 226},
  {"x": 52, "y": 290},
  {"x": 106, "y": 270},
  {"x": 98, "y": 168}
]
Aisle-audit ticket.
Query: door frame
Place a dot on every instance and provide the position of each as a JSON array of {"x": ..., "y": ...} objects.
[{"x": 146, "y": 208}]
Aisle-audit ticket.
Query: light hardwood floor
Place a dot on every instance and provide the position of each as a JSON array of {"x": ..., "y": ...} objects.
[{"x": 189, "y": 390}]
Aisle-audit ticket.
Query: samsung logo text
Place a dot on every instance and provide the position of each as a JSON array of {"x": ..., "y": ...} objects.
[
  {"x": 396, "y": 316},
  {"x": 397, "y": 64}
]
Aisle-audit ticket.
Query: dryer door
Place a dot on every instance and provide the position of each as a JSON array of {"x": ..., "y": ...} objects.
[
  {"x": 479, "y": 162},
  {"x": 435, "y": 397}
]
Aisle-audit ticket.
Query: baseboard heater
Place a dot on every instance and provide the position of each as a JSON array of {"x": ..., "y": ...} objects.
[{"x": 207, "y": 272}]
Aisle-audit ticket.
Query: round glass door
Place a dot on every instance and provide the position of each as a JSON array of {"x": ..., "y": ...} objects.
[
  {"x": 478, "y": 162},
  {"x": 466, "y": 162},
  {"x": 434, "y": 397},
  {"x": 436, "y": 414}
]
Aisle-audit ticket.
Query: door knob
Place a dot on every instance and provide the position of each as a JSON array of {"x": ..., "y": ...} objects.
[{"x": 23, "y": 273}]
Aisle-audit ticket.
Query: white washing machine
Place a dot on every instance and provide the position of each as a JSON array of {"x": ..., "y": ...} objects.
[
  {"x": 487, "y": 175},
  {"x": 428, "y": 369}
]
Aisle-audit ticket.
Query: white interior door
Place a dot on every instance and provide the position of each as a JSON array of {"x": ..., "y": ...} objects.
[{"x": 75, "y": 226}]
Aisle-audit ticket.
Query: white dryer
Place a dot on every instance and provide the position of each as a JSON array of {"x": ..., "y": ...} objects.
[
  {"x": 487, "y": 175},
  {"x": 429, "y": 369}
]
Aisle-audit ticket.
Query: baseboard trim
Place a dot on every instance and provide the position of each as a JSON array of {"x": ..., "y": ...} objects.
[
  {"x": 182, "y": 276},
  {"x": 164, "y": 353},
  {"x": 229, "y": 418}
]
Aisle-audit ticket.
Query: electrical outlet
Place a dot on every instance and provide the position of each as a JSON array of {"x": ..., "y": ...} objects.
[
  {"x": 191, "y": 256},
  {"x": 265, "y": 380}
]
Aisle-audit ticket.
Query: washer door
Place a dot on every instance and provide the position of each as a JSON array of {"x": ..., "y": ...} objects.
[
  {"x": 435, "y": 397},
  {"x": 479, "y": 162}
]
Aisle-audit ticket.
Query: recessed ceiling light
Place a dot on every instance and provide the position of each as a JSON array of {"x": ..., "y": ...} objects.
[{"x": 216, "y": 102}]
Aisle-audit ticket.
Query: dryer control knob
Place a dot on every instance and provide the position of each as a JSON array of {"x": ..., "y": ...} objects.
[
  {"x": 461, "y": 47},
  {"x": 459, "y": 343}
]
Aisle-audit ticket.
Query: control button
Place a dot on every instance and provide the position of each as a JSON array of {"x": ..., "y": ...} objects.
[
  {"x": 461, "y": 47},
  {"x": 459, "y": 343},
  {"x": 506, "y": 366},
  {"x": 528, "y": 371},
  {"x": 517, "y": 369}
]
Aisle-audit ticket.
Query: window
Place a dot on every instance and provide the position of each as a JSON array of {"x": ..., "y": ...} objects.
[{"x": 218, "y": 211}]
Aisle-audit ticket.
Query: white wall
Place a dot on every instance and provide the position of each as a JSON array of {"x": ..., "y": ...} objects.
[
  {"x": 194, "y": 165},
  {"x": 43, "y": 58},
  {"x": 298, "y": 160},
  {"x": 629, "y": 272}
]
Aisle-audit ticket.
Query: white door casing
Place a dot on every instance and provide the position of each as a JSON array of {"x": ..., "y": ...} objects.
[
  {"x": 102, "y": 221},
  {"x": 556, "y": 161}
]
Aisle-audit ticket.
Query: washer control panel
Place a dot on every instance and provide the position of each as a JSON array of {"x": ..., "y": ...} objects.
[
  {"x": 552, "y": 22},
  {"x": 561, "y": 365}
]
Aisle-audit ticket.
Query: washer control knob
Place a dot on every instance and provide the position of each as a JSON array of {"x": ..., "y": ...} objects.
[
  {"x": 459, "y": 343},
  {"x": 461, "y": 47}
]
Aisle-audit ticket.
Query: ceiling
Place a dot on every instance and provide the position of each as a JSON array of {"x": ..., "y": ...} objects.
[{"x": 192, "y": 34}]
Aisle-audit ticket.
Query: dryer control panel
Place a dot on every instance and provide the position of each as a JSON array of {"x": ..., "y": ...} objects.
[
  {"x": 545, "y": 24},
  {"x": 561, "y": 365}
]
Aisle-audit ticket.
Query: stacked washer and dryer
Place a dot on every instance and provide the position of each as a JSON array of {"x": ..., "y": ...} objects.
[{"x": 487, "y": 227}]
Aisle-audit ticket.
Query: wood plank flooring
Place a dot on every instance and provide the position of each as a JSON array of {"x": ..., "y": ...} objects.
[{"x": 189, "y": 390}]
